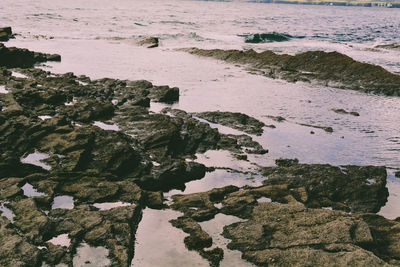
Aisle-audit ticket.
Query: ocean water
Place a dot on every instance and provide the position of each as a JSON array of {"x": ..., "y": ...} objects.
[{"x": 97, "y": 38}]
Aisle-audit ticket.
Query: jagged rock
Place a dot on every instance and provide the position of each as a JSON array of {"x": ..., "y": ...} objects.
[
  {"x": 15, "y": 250},
  {"x": 235, "y": 120},
  {"x": 13, "y": 57},
  {"x": 149, "y": 42},
  {"x": 5, "y": 34},
  {"x": 328, "y": 68},
  {"x": 351, "y": 188},
  {"x": 342, "y": 111}
]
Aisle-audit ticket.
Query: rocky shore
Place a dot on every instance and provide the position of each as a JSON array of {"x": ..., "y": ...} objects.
[
  {"x": 82, "y": 158},
  {"x": 326, "y": 68}
]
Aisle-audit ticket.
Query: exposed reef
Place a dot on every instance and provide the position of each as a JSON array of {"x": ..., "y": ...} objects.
[
  {"x": 80, "y": 159},
  {"x": 94, "y": 156},
  {"x": 282, "y": 224},
  {"x": 327, "y": 68}
]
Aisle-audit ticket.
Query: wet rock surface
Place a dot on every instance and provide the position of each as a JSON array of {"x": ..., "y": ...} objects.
[
  {"x": 149, "y": 42},
  {"x": 267, "y": 37},
  {"x": 235, "y": 120},
  {"x": 13, "y": 57},
  {"x": 83, "y": 144},
  {"x": 350, "y": 188},
  {"x": 279, "y": 229},
  {"x": 95, "y": 156},
  {"x": 5, "y": 34},
  {"x": 342, "y": 111},
  {"x": 328, "y": 68}
]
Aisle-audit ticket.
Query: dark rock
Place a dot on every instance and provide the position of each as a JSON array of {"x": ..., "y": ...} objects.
[
  {"x": 198, "y": 238},
  {"x": 13, "y": 57},
  {"x": 342, "y": 111},
  {"x": 239, "y": 121},
  {"x": 286, "y": 162},
  {"x": 150, "y": 42},
  {"x": 351, "y": 188},
  {"x": 164, "y": 94},
  {"x": 328, "y": 68},
  {"x": 172, "y": 174},
  {"x": 15, "y": 250},
  {"x": 290, "y": 234},
  {"x": 5, "y": 34},
  {"x": 267, "y": 37},
  {"x": 154, "y": 200}
]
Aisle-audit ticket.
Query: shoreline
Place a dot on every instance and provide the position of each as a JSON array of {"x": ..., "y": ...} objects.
[{"x": 95, "y": 142}]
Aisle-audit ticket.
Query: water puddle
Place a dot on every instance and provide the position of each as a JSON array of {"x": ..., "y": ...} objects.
[
  {"x": 391, "y": 210},
  {"x": 219, "y": 178},
  {"x": 157, "y": 241},
  {"x": 264, "y": 200},
  {"x": 6, "y": 212},
  {"x": 36, "y": 159},
  {"x": 61, "y": 240},
  {"x": 29, "y": 191},
  {"x": 110, "y": 205},
  {"x": 3, "y": 90},
  {"x": 63, "y": 202},
  {"x": 107, "y": 127},
  {"x": 91, "y": 256},
  {"x": 224, "y": 159},
  {"x": 44, "y": 117},
  {"x": 19, "y": 75},
  {"x": 214, "y": 228}
]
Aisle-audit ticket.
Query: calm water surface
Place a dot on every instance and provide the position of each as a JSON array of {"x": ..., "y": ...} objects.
[{"x": 97, "y": 39}]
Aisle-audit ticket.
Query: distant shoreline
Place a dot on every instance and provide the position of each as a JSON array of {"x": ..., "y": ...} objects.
[{"x": 335, "y": 3}]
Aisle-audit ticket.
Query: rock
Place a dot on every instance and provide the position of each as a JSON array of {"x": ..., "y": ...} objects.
[
  {"x": 351, "y": 188},
  {"x": 267, "y": 37},
  {"x": 327, "y": 68},
  {"x": 286, "y": 162},
  {"x": 30, "y": 220},
  {"x": 397, "y": 174},
  {"x": 5, "y": 34},
  {"x": 154, "y": 200},
  {"x": 15, "y": 250},
  {"x": 14, "y": 57},
  {"x": 290, "y": 234},
  {"x": 238, "y": 121},
  {"x": 276, "y": 118},
  {"x": 10, "y": 188},
  {"x": 172, "y": 174},
  {"x": 149, "y": 42},
  {"x": 325, "y": 128},
  {"x": 164, "y": 94},
  {"x": 342, "y": 111},
  {"x": 198, "y": 239}
]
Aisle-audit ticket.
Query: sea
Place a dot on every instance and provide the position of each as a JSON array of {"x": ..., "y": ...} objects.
[{"x": 98, "y": 38}]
